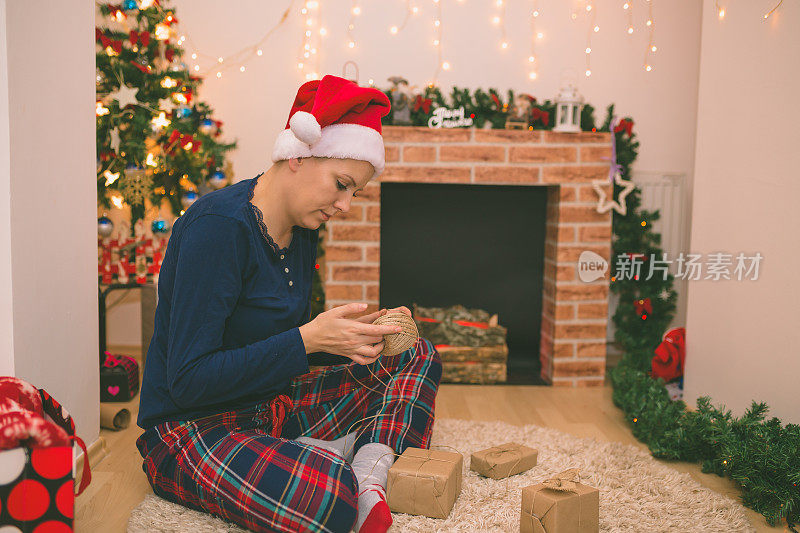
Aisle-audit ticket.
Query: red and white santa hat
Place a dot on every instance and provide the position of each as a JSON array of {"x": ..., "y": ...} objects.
[{"x": 334, "y": 117}]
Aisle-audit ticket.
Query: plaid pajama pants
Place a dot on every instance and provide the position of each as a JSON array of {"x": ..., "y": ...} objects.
[{"x": 234, "y": 466}]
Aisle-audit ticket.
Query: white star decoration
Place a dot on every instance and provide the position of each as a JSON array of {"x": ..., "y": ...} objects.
[
  {"x": 664, "y": 294},
  {"x": 124, "y": 95},
  {"x": 114, "y": 139},
  {"x": 619, "y": 204}
]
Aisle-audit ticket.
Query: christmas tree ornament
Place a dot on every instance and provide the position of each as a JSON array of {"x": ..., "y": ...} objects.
[
  {"x": 188, "y": 198},
  {"x": 160, "y": 225},
  {"x": 182, "y": 111},
  {"x": 217, "y": 180},
  {"x": 618, "y": 205},
  {"x": 129, "y": 5},
  {"x": 178, "y": 66},
  {"x": 105, "y": 227},
  {"x": 135, "y": 184},
  {"x": 207, "y": 126},
  {"x": 396, "y": 343},
  {"x": 114, "y": 139},
  {"x": 124, "y": 95}
]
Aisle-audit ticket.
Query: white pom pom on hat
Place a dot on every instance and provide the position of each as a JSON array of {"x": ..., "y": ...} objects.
[
  {"x": 335, "y": 117},
  {"x": 305, "y": 127}
]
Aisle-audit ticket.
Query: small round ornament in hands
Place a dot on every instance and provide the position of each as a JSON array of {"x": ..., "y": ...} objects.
[{"x": 396, "y": 343}]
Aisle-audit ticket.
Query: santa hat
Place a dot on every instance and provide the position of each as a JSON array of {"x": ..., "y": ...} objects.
[{"x": 334, "y": 117}]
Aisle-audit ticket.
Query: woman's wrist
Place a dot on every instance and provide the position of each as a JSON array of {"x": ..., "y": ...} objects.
[{"x": 307, "y": 334}]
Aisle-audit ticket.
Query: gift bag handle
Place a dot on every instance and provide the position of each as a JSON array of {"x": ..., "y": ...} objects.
[{"x": 86, "y": 476}]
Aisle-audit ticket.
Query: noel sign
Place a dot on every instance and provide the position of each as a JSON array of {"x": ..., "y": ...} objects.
[{"x": 449, "y": 118}]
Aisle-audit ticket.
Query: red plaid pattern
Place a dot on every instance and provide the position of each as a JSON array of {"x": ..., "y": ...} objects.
[{"x": 230, "y": 465}]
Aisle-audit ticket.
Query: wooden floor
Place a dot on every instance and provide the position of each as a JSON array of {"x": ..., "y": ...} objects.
[{"x": 118, "y": 483}]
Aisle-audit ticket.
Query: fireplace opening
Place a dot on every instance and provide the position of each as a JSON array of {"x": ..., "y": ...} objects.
[{"x": 480, "y": 246}]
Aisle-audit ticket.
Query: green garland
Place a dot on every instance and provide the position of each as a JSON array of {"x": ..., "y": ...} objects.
[{"x": 760, "y": 454}]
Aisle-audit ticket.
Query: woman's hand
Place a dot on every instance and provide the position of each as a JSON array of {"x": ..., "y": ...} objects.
[{"x": 357, "y": 339}]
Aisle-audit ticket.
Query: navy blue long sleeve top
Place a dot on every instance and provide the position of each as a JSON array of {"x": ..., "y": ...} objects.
[{"x": 230, "y": 303}]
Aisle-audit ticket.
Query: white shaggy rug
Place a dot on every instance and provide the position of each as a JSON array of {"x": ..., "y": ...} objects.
[{"x": 637, "y": 493}]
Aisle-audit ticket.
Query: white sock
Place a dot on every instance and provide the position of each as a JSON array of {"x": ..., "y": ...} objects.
[
  {"x": 343, "y": 446},
  {"x": 371, "y": 466}
]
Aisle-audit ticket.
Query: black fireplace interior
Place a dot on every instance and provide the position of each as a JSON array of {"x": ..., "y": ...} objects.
[{"x": 475, "y": 245}]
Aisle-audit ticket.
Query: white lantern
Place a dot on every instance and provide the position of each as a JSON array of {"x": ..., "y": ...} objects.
[{"x": 568, "y": 110}]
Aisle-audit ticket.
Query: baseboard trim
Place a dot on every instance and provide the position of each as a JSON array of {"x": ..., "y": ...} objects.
[{"x": 97, "y": 451}]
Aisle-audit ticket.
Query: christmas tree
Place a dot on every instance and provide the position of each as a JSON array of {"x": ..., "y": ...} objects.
[{"x": 155, "y": 140}]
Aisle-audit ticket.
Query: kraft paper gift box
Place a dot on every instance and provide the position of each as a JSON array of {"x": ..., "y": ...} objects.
[
  {"x": 503, "y": 461},
  {"x": 560, "y": 505},
  {"x": 424, "y": 482}
]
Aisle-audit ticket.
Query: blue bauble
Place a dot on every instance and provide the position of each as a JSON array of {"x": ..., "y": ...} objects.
[
  {"x": 129, "y": 5},
  {"x": 189, "y": 197},
  {"x": 183, "y": 111},
  {"x": 217, "y": 180},
  {"x": 160, "y": 226},
  {"x": 207, "y": 127},
  {"x": 104, "y": 226}
]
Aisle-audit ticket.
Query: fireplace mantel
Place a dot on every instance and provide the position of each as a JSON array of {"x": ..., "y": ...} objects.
[{"x": 574, "y": 313}]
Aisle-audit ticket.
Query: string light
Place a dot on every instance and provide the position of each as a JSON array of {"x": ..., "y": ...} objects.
[
  {"x": 354, "y": 12},
  {"x": 771, "y": 11},
  {"x": 720, "y": 10},
  {"x": 651, "y": 48},
  {"x": 437, "y": 24},
  {"x": 410, "y": 10},
  {"x": 591, "y": 14},
  {"x": 532, "y": 73},
  {"x": 629, "y": 8},
  {"x": 311, "y": 36},
  {"x": 501, "y": 21}
]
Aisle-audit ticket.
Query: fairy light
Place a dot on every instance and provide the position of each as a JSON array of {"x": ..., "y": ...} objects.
[
  {"x": 311, "y": 35},
  {"x": 501, "y": 20},
  {"x": 117, "y": 200},
  {"x": 771, "y": 11},
  {"x": 151, "y": 160},
  {"x": 533, "y": 72},
  {"x": 161, "y": 121},
  {"x": 101, "y": 110},
  {"x": 410, "y": 10},
  {"x": 591, "y": 14},
  {"x": 629, "y": 8},
  {"x": 110, "y": 177},
  {"x": 651, "y": 48},
  {"x": 168, "y": 83},
  {"x": 720, "y": 10},
  {"x": 437, "y": 24},
  {"x": 355, "y": 10}
]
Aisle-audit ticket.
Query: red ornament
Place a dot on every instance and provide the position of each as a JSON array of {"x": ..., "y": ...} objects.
[
  {"x": 626, "y": 126},
  {"x": 539, "y": 114},
  {"x": 642, "y": 306},
  {"x": 670, "y": 357},
  {"x": 424, "y": 103}
]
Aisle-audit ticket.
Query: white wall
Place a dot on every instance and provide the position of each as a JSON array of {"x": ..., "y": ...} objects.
[
  {"x": 743, "y": 336},
  {"x": 255, "y": 104},
  {"x": 48, "y": 203}
]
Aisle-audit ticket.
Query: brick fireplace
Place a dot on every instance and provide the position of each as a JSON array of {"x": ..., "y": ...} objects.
[{"x": 574, "y": 314}]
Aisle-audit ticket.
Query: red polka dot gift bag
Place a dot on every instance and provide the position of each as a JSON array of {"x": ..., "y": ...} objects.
[{"x": 37, "y": 460}]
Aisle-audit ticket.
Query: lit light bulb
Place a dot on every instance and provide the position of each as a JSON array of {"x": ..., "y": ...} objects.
[
  {"x": 721, "y": 13},
  {"x": 649, "y": 22},
  {"x": 306, "y": 55},
  {"x": 313, "y": 50},
  {"x": 588, "y": 72},
  {"x": 259, "y": 52},
  {"x": 531, "y": 59},
  {"x": 309, "y": 21},
  {"x": 535, "y": 13},
  {"x": 393, "y": 30},
  {"x": 304, "y": 11},
  {"x": 300, "y": 65},
  {"x": 495, "y": 20},
  {"x": 539, "y": 35},
  {"x": 504, "y": 44},
  {"x": 630, "y": 29},
  {"x": 446, "y": 65},
  {"x": 436, "y": 22},
  {"x": 220, "y": 60},
  {"x": 323, "y": 32},
  {"x": 414, "y": 9},
  {"x": 196, "y": 68},
  {"x": 219, "y": 74},
  {"x": 371, "y": 81},
  {"x": 588, "y": 50},
  {"x": 194, "y": 56},
  {"x": 308, "y": 33},
  {"x": 596, "y": 29},
  {"x": 653, "y": 48},
  {"x": 356, "y": 10},
  {"x": 436, "y": 42},
  {"x": 625, "y": 5},
  {"x": 499, "y": 3},
  {"x": 241, "y": 69},
  {"x": 532, "y": 75},
  {"x": 307, "y": 46},
  {"x": 648, "y": 68},
  {"x": 574, "y": 16},
  {"x": 589, "y": 7},
  {"x": 351, "y": 44}
]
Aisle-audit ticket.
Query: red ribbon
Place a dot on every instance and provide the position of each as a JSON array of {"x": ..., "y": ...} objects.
[
  {"x": 540, "y": 114},
  {"x": 496, "y": 100},
  {"x": 182, "y": 141},
  {"x": 106, "y": 42},
  {"x": 643, "y": 306},
  {"x": 280, "y": 406},
  {"x": 141, "y": 67},
  {"x": 670, "y": 355},
  {"x": 424, "y": 103},
  {"x": 169, "y": 53},
  {"x": 144, "y": 37},
  {"x": 626, "y": 126}
]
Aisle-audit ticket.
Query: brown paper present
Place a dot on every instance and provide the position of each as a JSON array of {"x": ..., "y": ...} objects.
[
  {"x": 560, "y": 505},
  {"x": 424, "y": 482},
  {"x": 503, "y": 461}
]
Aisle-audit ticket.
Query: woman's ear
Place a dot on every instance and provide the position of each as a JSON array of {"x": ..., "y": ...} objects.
[{"x": 294, "y": 163}]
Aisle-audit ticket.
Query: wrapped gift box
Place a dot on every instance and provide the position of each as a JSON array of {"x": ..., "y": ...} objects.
[
  {"x": 37, "y": 482},
  {"x": 560, "y": 505},
  {"x": 503, "y": 461},
  {"x": 119, "y": 378},
  {"x": 424, "y": 482}
]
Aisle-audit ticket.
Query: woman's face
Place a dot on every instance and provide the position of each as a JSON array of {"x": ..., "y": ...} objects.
[{"x": 325, "y": 186}]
